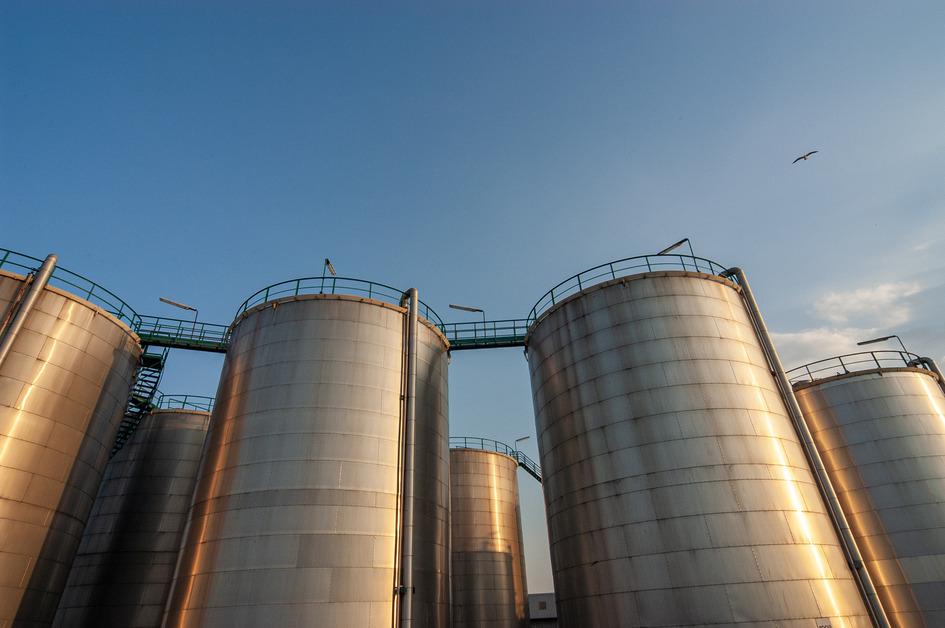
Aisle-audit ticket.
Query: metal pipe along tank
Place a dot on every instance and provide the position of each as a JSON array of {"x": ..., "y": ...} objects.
[
  {"x": 63, "y": 387},
  {"x": 677, "y": 490},
  {"x": 295, "y": 515},
  {"x": 123, "y": 569},
  {"x": 881, "y": 434},
  {"x": 487, "y": 564}
]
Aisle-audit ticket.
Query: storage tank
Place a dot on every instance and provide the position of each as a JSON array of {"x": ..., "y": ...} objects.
[
  {"x": 487, "y": 564},
  {"x": 296, "y": 516},
  {"x": 878, "y": 420},
  {"x": 678, "y": 492},
  {"x": 66, "y": 366},
  {"x": 122, "y": 572}
]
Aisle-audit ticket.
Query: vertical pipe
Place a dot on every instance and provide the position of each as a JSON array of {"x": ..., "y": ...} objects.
[
  {"x": 854, "y": 558},
  {"x": 932, "y": 366},
  {"x": 39, "y": 281},
  {"x": 410, "y": 410},
  {"x": 401, "y": 439}
]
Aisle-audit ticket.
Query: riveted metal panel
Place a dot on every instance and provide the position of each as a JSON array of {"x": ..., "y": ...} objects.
[
  {"x": 881, "y": 435},
  {"x": 63, "y": 390},
  {"x": 488, "y": 568},
  {"x": 123, "y": 569},
  {"x": 677, "y": 491},
  {"x": 294, "y": 519}
]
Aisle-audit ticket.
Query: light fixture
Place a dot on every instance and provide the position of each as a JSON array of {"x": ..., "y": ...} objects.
[
  {"x": 180, "y": 305},
  {"x": 883, "y": 339},
  {"x": 329, "y": 267},
  {"x": 467, "y": 308},
  {"x": 675, "y": 246}
]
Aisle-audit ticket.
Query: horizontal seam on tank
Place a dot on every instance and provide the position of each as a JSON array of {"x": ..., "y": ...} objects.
[
  {"x": 880, "y": 419},
  {"x": 110, "y": 370},
  {"x": 897, "y": 507},
  {"x": 624, "y": 369},
  {"x": 708, "y": 548},
  {"x": 627, "y": 394},
  {"x": 274, "y": 434},
  {"x": 910, "y": 456},
  {"x": 759, "y": 580},
  {"x": 561, "y": 444},
  {"x": 887, "y": 533},
  {"x": 575, "y": 504},
  {"x": 613, "y": 348}
]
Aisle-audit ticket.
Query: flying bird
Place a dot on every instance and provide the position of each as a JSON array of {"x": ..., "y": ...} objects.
[{"x": 805, "y": 157}]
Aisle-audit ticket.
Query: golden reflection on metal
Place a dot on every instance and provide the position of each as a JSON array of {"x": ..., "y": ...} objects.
[
  {"x": 70, "y": 395},
  {"x": 676, "y": 487},
  {"x": 888, "y": 405},
  {"x": 488, "y": 570}
]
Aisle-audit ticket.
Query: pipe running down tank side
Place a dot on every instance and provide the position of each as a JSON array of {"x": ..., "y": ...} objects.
[{"x": 679, "y": 487}]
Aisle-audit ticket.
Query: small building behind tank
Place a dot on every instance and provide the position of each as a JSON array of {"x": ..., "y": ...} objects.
[
  {"x": 878, "y": 419},
  {"x": 123, "y": 570},
  {"x": 66, "y": 367}
]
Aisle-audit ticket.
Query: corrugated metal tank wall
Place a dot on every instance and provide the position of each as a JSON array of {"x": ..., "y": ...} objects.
[
  {"x": 122, "y": 572},
  {"x": 63, "y": 390},
  {"x": 881, "y": 435},
  {"x": 295, "y": 511},
  {"x": 677, "y": 491},
  {"x": 488, "y": 566}
]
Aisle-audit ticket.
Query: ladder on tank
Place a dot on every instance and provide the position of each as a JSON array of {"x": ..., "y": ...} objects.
[{"x": 141, "y": 399}]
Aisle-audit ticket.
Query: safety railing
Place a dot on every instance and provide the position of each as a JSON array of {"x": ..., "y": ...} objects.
[
  {"x": 335, "y": 285},
  {"x": 483, "y": 334},
  {"x": 621, "y": 268},
  {"x": 851, "y": 363},
  {"x": 180, "y": 333},
  {"x": 185, "y": 402},
  {"x": 487, "y": 444},
  {"x": 73, "y": 283}
]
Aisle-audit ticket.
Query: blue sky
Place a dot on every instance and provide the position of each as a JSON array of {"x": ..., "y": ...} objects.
[{"x": 483, "y": 152}]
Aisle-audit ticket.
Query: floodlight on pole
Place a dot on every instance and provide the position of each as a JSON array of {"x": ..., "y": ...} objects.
[
  {"x": 466, "y": 308},
  {"x": 884, "y": 339},
  {"x": 519, "y": 440},
  {"x": 180, "y": 305},
  {"x": 675, "y": 246},
  {"x": 329, "y": 267}
]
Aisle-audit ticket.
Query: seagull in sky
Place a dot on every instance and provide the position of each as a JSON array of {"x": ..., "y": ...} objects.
[{"x": 805, "y": 157}]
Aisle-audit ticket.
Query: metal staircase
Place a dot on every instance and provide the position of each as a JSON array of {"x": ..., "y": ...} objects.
[{"x": 141, "y": 399}]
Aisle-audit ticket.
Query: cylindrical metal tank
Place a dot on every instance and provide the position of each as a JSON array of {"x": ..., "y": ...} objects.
[
  {"x": 487, "y": 564},
  {"x": 123, "y": 569},
  {"x": 296, "y": 512},
  {"x": 677, "y": 490},
  {"x": 63, "y": 389},
  {"x": 881, "y": 434}
]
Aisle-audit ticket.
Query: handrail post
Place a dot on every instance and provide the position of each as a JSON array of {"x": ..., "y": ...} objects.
[{"x": 841, "y": 525}]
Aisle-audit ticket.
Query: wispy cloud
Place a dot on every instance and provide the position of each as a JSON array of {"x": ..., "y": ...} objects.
[
  {"x": 801, "y": 347},
  {"x": 883, "y": 305}
]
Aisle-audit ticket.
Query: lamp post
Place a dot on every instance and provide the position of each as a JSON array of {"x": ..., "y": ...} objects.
[
  {"x": 519, "y": 440},
  {"x": 673, "y": 247},
  {"x": 180, "y": 305},
  {"x": 466, "y": 308},
  {"x": 883, "y": 339}
]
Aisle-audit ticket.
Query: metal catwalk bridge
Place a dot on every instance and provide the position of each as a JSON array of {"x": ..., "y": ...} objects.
[{"x": 174, "y": 333}]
